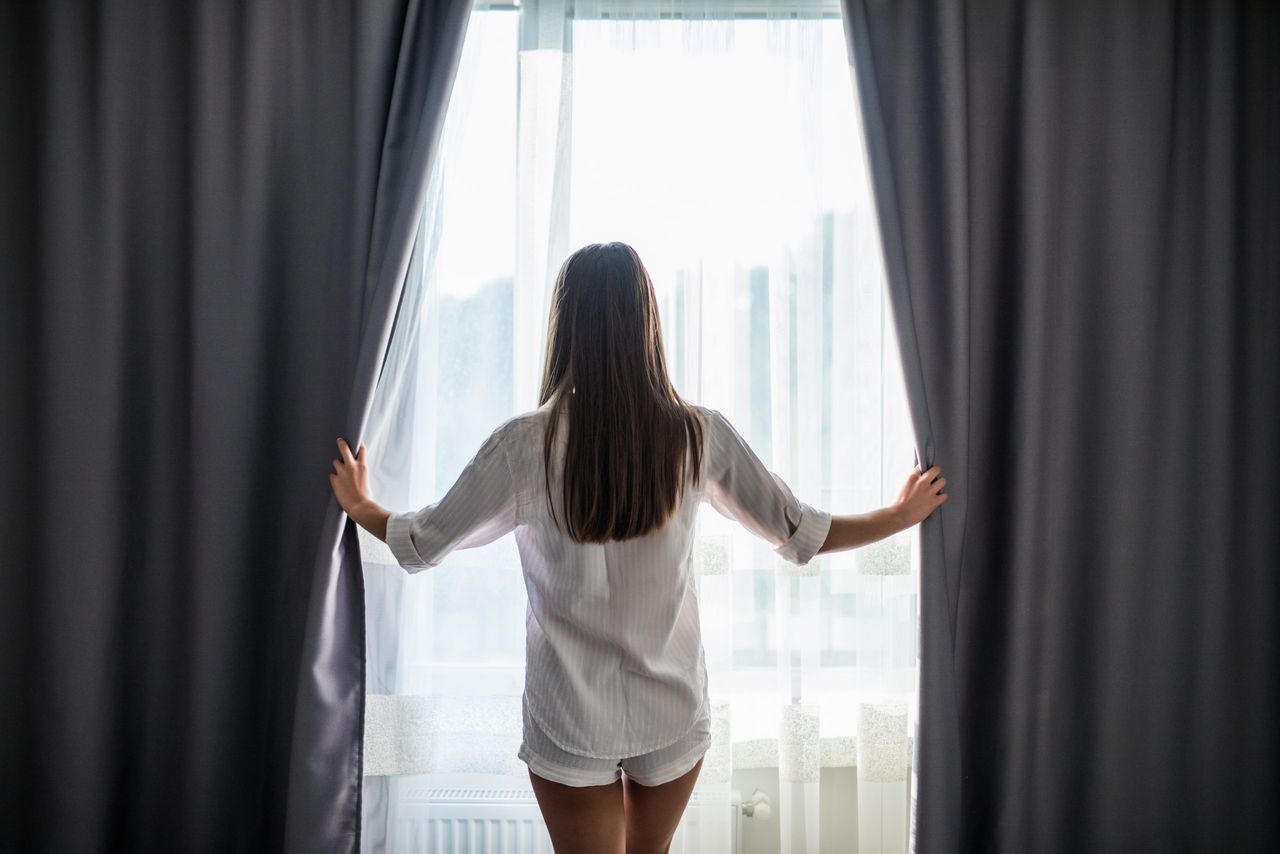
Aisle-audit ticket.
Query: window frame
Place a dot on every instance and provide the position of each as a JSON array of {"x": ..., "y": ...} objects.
[{"x": 727, "y": 9}]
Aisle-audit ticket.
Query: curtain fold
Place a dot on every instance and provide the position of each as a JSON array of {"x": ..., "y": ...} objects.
[
  {"x": 205, "y": 215},
  {"x": 923, "y": 232},
  {"x": 325, "y": 777},
  {"x": 1078, "y": 205}
]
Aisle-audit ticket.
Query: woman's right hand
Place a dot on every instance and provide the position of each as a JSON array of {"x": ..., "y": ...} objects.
[{"x": 920, "y": 496}]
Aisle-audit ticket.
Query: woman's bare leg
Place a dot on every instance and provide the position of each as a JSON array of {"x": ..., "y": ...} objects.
[
  {"x": 654, "y": 811},
  {"x": 582, "y": 819}
]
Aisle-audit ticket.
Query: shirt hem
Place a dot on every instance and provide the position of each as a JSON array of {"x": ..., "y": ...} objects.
[{"x": 703, "y": 709}]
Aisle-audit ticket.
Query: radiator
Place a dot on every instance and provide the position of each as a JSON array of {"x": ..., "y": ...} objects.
[{"x": 484, "y": 820}]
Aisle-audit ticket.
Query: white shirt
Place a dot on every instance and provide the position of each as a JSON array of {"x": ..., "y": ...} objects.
[{"x": 614, "y": 658}]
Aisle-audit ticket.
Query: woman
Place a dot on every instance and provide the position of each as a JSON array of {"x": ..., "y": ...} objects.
[{"x": 601, "y": 484}]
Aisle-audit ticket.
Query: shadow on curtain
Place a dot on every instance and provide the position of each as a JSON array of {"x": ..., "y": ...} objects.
[{"x": 1082, "y": 236}]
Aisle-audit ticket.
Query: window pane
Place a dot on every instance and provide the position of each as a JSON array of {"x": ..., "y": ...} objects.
[
  {"x": 737, "y": 173},
  {"x": 477, "y": 600}
]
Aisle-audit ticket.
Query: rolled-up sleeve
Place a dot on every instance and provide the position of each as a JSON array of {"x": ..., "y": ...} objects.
[
  {"x": 740, "y": 487},
  {"x": 481, "y": 506}
]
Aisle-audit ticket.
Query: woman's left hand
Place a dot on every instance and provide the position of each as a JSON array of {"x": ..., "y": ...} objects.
[{"x": 350, "y": 477}]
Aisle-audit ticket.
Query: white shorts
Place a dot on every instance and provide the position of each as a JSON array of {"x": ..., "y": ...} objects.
[{"x": 663, "y": 765}]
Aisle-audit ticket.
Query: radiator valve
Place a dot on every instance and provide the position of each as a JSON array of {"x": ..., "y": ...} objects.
[{"x": 756, "y": 806}]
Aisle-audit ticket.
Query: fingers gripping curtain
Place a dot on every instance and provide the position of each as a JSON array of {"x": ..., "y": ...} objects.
[
  {"x": 1081, "y": 235},
  {"x": 325, "y": 781}
]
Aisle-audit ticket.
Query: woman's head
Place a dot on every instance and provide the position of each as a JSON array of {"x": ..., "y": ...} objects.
[
  {"x": 604, "y": 327},
  {"x": 630, "y": 435}
]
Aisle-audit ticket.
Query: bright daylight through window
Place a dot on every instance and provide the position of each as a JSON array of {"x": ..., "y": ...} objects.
[{"x": 726, "y": 148}]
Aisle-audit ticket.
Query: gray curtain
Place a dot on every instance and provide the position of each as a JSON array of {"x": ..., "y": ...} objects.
[
  {"x": 1078, "y": 203},
  {"x": 206, "y": 212}
]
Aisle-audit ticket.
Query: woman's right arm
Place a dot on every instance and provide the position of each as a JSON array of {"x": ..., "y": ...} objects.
[{"x": 918, "y": 498}]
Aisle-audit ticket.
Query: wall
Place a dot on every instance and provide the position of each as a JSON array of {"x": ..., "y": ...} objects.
[{"x": 838, "y": 812}]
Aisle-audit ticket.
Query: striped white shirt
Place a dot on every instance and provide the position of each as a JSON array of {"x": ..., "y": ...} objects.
[{"x": 614, "y": 658}]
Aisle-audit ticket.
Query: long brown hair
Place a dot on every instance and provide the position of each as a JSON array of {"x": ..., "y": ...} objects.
[{"x": 630, "y": 434}]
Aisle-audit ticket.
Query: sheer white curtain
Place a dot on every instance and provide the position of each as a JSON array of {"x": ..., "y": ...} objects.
[{"x": 722, "y": 140}]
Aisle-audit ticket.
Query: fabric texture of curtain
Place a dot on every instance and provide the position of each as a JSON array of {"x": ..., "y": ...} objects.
[
  {"x": 1081, "y": 229},
  {"x": 206, "y": 213},
  {"x": 716, "y": 145}
]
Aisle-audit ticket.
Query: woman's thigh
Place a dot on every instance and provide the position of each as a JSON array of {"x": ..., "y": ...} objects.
[
  {"x": 582, "y": 819},
  {"x": 653, "y": 812}
]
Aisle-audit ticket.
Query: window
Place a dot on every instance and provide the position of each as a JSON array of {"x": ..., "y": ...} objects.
[{"x": 726, "y": 147}]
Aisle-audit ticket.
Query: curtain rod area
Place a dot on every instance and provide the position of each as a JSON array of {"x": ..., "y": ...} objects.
[{"x": 673, "y": 9}]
